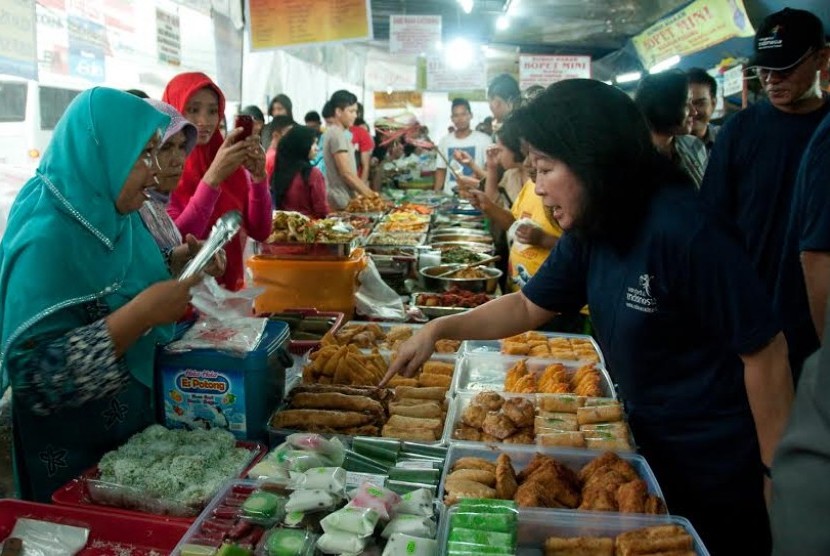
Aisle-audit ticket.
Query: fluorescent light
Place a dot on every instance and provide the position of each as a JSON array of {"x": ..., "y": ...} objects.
[
  {"x": 502, "y": 23},
  {"x": 628, "y": 77},
  {"x": 459, "y": 53},
  {"x": 608, "y": 82},
  {"x": 664, "y": 64},
  {"x": 466, "y": 5}
]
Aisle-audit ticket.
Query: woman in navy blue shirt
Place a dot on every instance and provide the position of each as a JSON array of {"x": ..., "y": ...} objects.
[{"x": 687, "y": 330}]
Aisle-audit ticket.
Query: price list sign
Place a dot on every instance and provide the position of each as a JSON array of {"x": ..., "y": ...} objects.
[{"x": 276, "y": 24}]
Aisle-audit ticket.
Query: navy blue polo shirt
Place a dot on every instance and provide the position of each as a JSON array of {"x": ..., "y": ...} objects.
[
  {"x": 808, "y": 230},
  {"x": 672, "y": 315}
]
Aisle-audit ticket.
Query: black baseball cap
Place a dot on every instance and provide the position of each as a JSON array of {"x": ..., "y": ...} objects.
[{"x": 785, "y": 37}]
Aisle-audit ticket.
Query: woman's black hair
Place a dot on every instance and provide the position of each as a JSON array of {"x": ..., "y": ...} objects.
[
  {"x": 285, "y": 102},
  {"x": 511, "y": 137},
  {"x": 601, "y": 135},
  {"x": 662, "y": 98},
  {"x": 505, "y": 87},
  {"x": 292, "y": 157},
  {"x": 254, "y": 112}
]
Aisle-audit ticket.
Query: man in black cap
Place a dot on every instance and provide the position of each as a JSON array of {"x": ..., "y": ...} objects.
[{"x": 751, "y": 173}]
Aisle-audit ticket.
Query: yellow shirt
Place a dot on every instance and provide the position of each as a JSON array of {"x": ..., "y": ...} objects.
[{"x": 523, "y": 264}]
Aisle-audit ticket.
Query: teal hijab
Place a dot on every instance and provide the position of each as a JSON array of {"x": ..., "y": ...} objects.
[{"x": 66, "y": 244}]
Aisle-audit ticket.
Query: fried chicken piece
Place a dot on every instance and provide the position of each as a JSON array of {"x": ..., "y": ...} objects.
[
  {"x": 522, "y": 436},
  {"x": 487, "y": 478},
  {"x": 520, "y": 411},
  {"x": 474, "y": 416},
  {"x": 655, "y": 505},
  {"x": 463, "y": 432},
  {"x": 474, "y": 463},
  {"x": 506, "y": 484},
  {"x": 489, "y": 400},
  {"x": 632, "y": 496},
  {"x": 497, "y": 425}
]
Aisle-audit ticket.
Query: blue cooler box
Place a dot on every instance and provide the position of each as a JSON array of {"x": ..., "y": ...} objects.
[{"x": 207, "y": 388}]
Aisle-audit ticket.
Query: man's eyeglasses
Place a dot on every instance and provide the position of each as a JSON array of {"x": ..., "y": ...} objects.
[{"x": 764, "y": 73}]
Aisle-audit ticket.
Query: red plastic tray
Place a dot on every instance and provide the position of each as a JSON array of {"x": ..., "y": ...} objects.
[
  {"x": 300, "y": 347},
  {"x": 111, "y": 533},
  {"x": 74, "y": 492}
]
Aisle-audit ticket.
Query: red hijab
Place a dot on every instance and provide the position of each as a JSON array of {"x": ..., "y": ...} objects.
[{"x": 233, "y": 191}]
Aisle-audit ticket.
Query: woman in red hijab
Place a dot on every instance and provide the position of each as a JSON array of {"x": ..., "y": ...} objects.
[{"x": 219, "y": 175}]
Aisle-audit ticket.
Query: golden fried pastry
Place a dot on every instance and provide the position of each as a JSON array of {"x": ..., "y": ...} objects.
[
  {"x": 489, "y": 438},
  {"x": 603, "y": 460},
  {"x": 562, "y": 439},
  {"x": 521, "y": 436},
  {"x": 473, "y": 416},
  {"x": 489, "y": 400},
  {"x": 506, "y": 484},
  {"x": 497, "y": 425},
  {"x": 598, "y": 500},
  {"x": 632, "y": 496},
  {"x": 513, "y": 375},
  {"x": 659, "y": 539},
  {"x": 409, "y": 433},
  {"x": 655, "y": 505},
  {"x": 438, "y": 368},
  {"x": 463, "y": 432},
  {"x": 607, "y": 442},
  {"x": 474, "y": 463},
  {"x": 426, "y": 410},
  {"x": 440, "y": 381},
  {"x": 532, "y": 494},
  {"x": 401, "y": 422},
  {"x": 607, "y": 478},
  {"x": 514, "y": 348},
  {"x": 447, "y": 346},
  {"x": 579, "y": 546},
  {"x": 464, "y": 488},
  {"x": 398, "y": 380},
  {"x": 555, "y": 422},
  {"x": 525, "y": 385},
  {"x": 426, "y": 393},
  {"x": 533, "y": 336},
  {"x": 487, "y": 478},
  {"x": 302, "y": 418},
  {"x": 336, "y": 401},
  {"x": 520, "y": 411},
  {"x": 539, "y": 350},
  {"x": 613, "y": 430},
  {"x": 533, "y": 465}
]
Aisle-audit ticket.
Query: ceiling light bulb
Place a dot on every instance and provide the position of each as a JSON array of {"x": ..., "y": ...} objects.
[
  {"x": 466, "y": 5},
  {"x": 665, "y": 64},
  {"x": 502, "y": 23},
  {"x": 459, "y": 54},
  {"x": 629, "y": 77}
]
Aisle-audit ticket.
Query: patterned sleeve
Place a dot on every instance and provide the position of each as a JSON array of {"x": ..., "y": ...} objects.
[{"x": 67, "y": 371}]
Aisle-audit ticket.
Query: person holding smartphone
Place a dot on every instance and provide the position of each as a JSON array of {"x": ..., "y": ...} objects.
[{"x": 219, "y": 175}]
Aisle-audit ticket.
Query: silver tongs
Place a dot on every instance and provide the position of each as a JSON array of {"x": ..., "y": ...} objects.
[{"x": 225, "y": 228}]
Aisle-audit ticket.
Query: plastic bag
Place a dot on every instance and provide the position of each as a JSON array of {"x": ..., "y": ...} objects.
[
  {"x": 374, "y": 298},
  {"x": 43, "y": 538},
  {"x": 511, "y": 233},
  {"x": 225, "y": 322},
  {"x": 333, "y": 449}
]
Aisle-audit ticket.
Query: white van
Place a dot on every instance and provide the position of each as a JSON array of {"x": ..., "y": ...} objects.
[{"x": 29, "y": 112}]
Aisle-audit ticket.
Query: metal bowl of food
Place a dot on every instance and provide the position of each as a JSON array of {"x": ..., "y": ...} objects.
[{"x": 476, "y": 279}]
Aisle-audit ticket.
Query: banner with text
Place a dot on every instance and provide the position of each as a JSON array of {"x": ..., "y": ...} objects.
[
  {"x": 276, "y": 24},
  {"x": 545, "y": 70},
  {"x": 701, "y": 24},
  {"x": 414, "y": 34},
  {"x": 733, "y": 81},
  {"x": 398, "y": 99},
  {"x": 168, "y": 38},
  {"x": 442, "y": 76},
  {"x": 18, "y": 41},
  {"x": 87, "y": 40}
]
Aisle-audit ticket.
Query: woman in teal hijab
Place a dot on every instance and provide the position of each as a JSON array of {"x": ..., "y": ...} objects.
[{"x": 85, "y": 294}]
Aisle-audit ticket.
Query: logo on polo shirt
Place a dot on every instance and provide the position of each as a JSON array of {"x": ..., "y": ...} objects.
[{"x": 640, "y": 297}]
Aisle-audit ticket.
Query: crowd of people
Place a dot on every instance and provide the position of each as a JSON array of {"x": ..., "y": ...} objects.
[{"x": 702, "y": 253}]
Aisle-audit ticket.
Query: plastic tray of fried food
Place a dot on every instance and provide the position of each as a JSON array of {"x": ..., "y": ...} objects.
[
  {"x": 541, "y": 532},
  {"x": 573, "y": 481},
  {"x": 384, "y": 336},
  {"x": 545, "y": 345}
]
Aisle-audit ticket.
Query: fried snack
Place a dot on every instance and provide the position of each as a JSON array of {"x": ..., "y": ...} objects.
[
  {"x": 409, "y": 433},
  {"x": 336, "y": 401},
  {"x": 652, "y": 540},
  {"x": 401, "y": 422},
  {"x": 487, "y": 478},
  {"x": 303, "y": 418},
  {"x": 588, "y": 385},
  {"x": 489, "y": 438},
  {"x": 607, "y": 442},
  {"x": 497, "y": 425},
  {"x": 514, "y": 348},
  {"x": 520, "y": 411},
  {"x": 426, "y": 410},
  {"x": 474, "y": 463},
  {"x": 532, "y": 466},
  {"x": 489, "y": 400},
  {"x": 464, "y": 488},
  {"x": 379, "y": 394},
  {"x": 539, "y": 350},
  {"x": 463, "y": 432},
  {"x": 506, "y": 484},
  {"x": 598, "y": 499},
  {"x": 447, "y": 346},
  {"x": 398, "y": 380},
  {"x": 365, "y": 430},
  {"x": 473, "y": 416},
  {"x": 399, "y": 333},
  {"x": 599, "y": 414},
  {"x": 555, "y": 422},
  {"x": 547, "y": 489},
  {"x": 431, "y": 393},
  {"x": 608, "y": 460},
  {"x": 562, "y": 439},
  {"x": 521, "y": 436},
  {"x": 513, "y": 375},
  {"x": 526, "y": 384},
  {"x": 655, "y": 505},
  {"x": 632, "y": 496},
  {"x": 440, "y": 381},
  {"x": 438, "y": 368},
  {"x": 606, "y": 430},
  {"x": 579, "y": 546}
]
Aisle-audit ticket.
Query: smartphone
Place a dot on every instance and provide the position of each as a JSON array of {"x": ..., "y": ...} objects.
[{"x": 246, "y": 123}]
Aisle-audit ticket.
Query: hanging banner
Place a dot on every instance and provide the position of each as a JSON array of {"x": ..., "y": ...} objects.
[
  {"x": 52, "y": 40},
  {"x": 545, "y": 70},
  {"x": 414, "y": 34},
  {"x": 168, "y": 38},
  {"x": 733, "y": 81},
  {"x": 91, "y": 10},
  {"x": 276, "y": 24},
  {"x": 441, "y": 76},
  {"x": 18, "y": 41},
  {"x": 398, "y": 99},
  {"x": 120, "y": 20},
  {"x": 698, "y": 26},
  {"x": 228, "y": 57},
  {"x": 87, "y": 40}
]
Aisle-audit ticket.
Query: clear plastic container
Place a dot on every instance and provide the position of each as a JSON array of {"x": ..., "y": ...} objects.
[
  {"x": 521, "y": 456},
  {"x": 457, "y": 406},
  {"x": 494, "y": 346},
  {"x": 537, "y": 525},
  {"x": 476, "y": 371}
]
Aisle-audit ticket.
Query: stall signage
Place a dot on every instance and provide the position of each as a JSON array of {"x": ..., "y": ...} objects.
[
  {"x": 87, "y": 39},
  {"x": 441, "y": 76},
  {"x": 414, "y": 34},
  {"x": 276, "y": 24},
  {"x": 18, "y": 42},
  {"x": 544, "y": 70},
  {"x": 398, "y": 99},
  {"x": 733, "y": 81},
  {"x": 168, "y": 38},
  {"x": 701, "y": 24}
]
